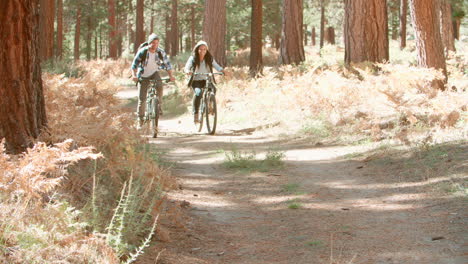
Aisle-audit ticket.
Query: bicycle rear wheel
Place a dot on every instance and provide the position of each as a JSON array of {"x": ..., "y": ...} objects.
[
  {"x": 202, "y": 112},
  {"x": 154, "y": 116},
  {"x": 211, "y": 114}
]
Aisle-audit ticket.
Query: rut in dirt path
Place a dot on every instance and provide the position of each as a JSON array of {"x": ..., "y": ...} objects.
[{"x": 347, "y": 213}]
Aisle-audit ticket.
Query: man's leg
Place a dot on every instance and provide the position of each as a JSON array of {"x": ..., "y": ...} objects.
[
  {"x": 142, "y": 89},
  {"x": 159, "y": 90}
]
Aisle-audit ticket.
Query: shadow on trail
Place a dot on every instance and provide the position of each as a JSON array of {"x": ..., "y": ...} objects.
[{"x": 377, "y": 210}]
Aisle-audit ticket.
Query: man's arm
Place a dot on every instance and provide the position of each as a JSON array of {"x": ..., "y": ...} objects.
[
  {"x": 168, "y": 66},
  {"x": 135, "y": 63}
]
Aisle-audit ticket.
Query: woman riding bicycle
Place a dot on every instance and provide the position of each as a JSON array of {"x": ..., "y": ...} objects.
[{"x": 201, "y": 61}]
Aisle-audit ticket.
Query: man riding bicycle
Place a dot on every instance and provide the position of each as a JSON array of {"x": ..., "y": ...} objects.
[{"x": 148, "y": 61}]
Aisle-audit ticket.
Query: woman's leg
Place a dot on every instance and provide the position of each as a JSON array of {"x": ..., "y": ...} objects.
[{"x": 196, "y": 86}]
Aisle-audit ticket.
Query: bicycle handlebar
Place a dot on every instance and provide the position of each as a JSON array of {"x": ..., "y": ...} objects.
[{"x": 209, "y": 74}]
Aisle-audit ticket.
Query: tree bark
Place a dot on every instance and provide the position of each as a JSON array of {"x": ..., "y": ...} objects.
[
  {"x": 192, "y": 26},
  {"x": 256, "y": 62},
  {"x": 403, "y": 15},
  {"x": 292, "y": 44},
  {"x": 140, "y": 34},
  {"x": 366, "y": 31},
  {"x": 330, "y": 35},
  {"x": 305, "y": 35},
  {"x": 446, "y": 28},
  {"x": 89, "y": 36},
  {"x": 22, "y": 108},
  {"x": 174, "y": 30},
  {"x": 429, "y": 47},
  {"x": 313, "y": 36},
  {"x": 322, "y": 22},
  {"x": 76, "y": 47},
  {"x": 59, "y": 51},
  {"x": 167, "y": 39},
  {"x": 214, "y": 29},
  {"x": 112, "y": 30},
  {"x": 46, "y": 25}
]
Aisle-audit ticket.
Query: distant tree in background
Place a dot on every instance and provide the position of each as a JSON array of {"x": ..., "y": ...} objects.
[
  {"x": 22, "y": 108},
  {"x": 403, "y": 15},
  {"x": 214, "y": 29},
  {"x": 59, "y": 38},
  {"x": 139, "y": 29},
  {"x": 46, "y": 28},
  {"x": 174, "y": 38},
  {"x": 292, "y": 44},
  {"x": 366, "y": 31},
  {"x": 446, "y": 25},
  {"x": 112, "y": 30},
  {"x": 256, "y": 63},
  {"x": 429, "y": 47}
]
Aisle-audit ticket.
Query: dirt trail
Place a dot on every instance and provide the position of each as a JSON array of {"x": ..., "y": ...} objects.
[{"x": 348, "y": 213}]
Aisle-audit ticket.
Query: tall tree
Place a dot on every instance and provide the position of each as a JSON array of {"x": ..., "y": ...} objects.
[
  {"x": 403, "y": 16},
  {"x": 46, "y": 25},
  {"x": 59, "y": 50},
  {"x": 22, "y": 108},
  {"x": 366, "y": 31},
  {"x": 112, "y": 29},
  {"x": 322, "y": 22},
  {"x": 256, "y": 63},
  {"x": 446, "y": 26},
  {"x": 140, "y": 33},
  {"x": 292, "y": 45},
  {"x": 214, "y": 28},
  {"x": 76, "y": 47},
  {"x": 174, "y": 30},
  {"x": 430, "y": 49}
]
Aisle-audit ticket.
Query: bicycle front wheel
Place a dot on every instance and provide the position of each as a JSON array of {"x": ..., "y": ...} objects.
[
  {"x": 154, "y": 116},
  {"x": 211, "y": 114},
  {"x": 202, "y": 112}
]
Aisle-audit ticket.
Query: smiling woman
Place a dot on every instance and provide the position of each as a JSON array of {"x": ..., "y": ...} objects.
[{"x": 22, "y": 110}]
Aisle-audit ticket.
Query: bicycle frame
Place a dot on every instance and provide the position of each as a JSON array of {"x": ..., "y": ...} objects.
[{"x": 208, "y": 103}]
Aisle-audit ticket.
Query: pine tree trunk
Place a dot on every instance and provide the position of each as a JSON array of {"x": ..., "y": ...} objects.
[
  {"x": 89, "y": 36},
  {"x": 192, "y": 26},
  {"x": 403, "y": 15},
  {"x": 152, "y": 18},
  {"x": 322, "y": 23},
  {"x": 214, "y": 29},
  {"x": 256, "y": 62},
  {"x": 22, "y": 108},
  {"x": 456, "y": 28},
  {"x": 46, "y": 25},
  {"x": 330, "y": 35},
  {"x": 112, "y": 30},
  {"x": 366, "y": 31},
  {"x": 429, "y": 44},
  {"x": 305, "y": 35},
  {"x": 59, "y": 51},
  {"x": 446, "y": 28},
  {"x": 76, "y": 47},
  {"x": 167, "y": 39},
  {"x": 292, "y": 44},
  {"x": 140, "y": 34},
  {"x": 313, "y": 36},
  {"x": 174, "y": 30}
]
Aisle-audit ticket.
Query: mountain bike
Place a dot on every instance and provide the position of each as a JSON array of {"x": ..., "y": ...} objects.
[
  {"x": 208, "y": 103},
  {"x": 153, "y": 106}
]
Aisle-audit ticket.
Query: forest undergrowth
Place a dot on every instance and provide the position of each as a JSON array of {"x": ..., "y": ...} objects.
[
  {"x": 90, "y": 193},
  {"x": 91, "y": 189}
]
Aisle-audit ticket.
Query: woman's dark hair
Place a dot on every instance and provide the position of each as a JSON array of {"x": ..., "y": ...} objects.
[{"x": 208, "y": 59}]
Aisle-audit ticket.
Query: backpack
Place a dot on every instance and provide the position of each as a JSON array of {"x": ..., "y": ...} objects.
[{"x": 145, "y": 44}]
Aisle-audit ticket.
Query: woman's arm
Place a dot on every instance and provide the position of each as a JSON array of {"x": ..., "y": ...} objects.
[{"x": 188, "y": 65}]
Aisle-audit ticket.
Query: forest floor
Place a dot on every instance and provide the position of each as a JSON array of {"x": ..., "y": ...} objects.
[{"x": 323, "y": 205}]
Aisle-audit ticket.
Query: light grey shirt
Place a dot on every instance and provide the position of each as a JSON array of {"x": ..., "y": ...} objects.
[{"x": 203, "y": 68}]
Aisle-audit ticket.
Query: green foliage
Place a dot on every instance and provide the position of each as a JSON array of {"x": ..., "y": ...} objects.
[
  {"x": 130, "y": 219},
  {"x": 236, "y": 159},
  {"x": 65, "y": 67}
]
